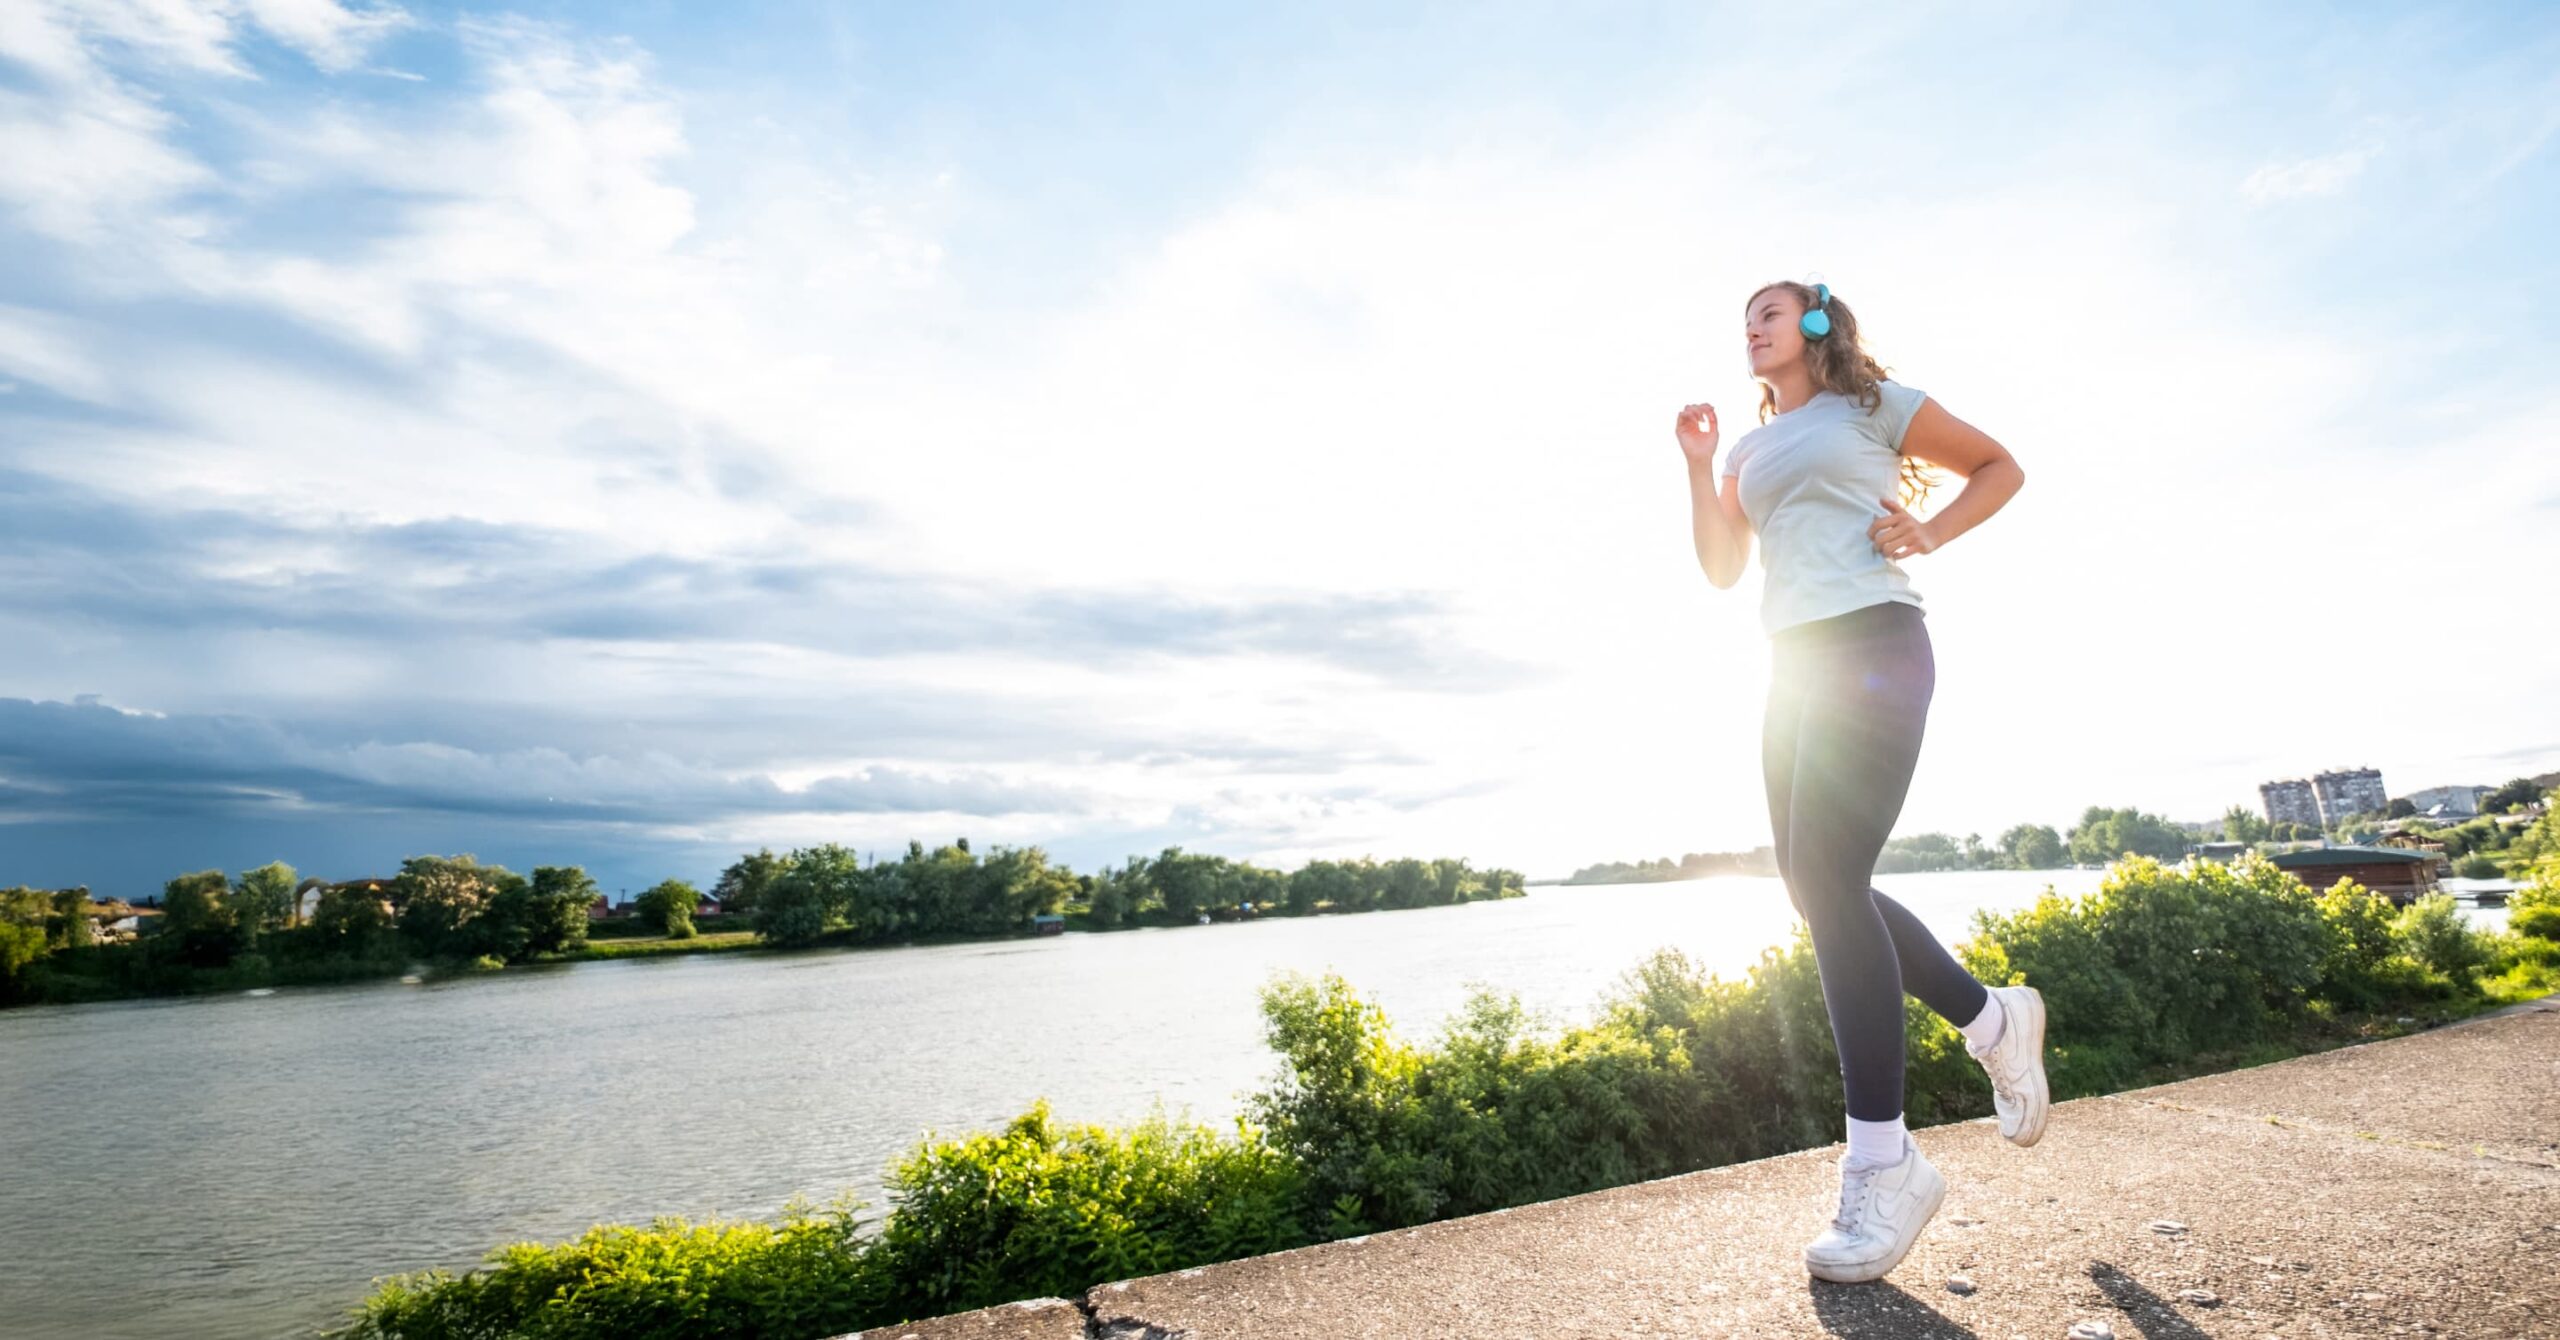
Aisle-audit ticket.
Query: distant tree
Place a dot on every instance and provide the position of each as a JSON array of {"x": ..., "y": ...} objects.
[
  {"x": 439, "y": 897},
  {"x": 26, "y": 907},
  {"x": 1918, "y": 851},
  {"x": 1329, "y": 882},
  {"x": 525, "y": 919},
  {"x": 668, "y": 906},
  {"x": 2400, "y": 808},
  {"x": 2540, "y": 843},
  {"x": 742, "y": 885},
  {"x": 1021, "y": 884},
  {"x": 21, "y": 948},
  {"x": 2032, "y": 847},
  {"x": 811, "y": 896},
  {"x": 351, "y": 919},
  {"x": 561, "y": 895},
  {"x": 945, "y": 891},
  {"x": 2240, "y": 824},
  {"x": 2514, "y": 795},
  {"x": 263, "y": 900},
  {"x": 1111, "y": 897},
  {"x": 196, "y": 922},
  {"x": 2104, "y": 835},
  {"x": 1408, "y": 883},
  {"x": 68, "y": 926},
  {"x": 1184, "y": 881},
  {"x": 2476, "y": 867}
]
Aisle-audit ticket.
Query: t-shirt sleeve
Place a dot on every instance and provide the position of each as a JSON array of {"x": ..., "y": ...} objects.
[
  {"x": 1732, "y": 461},
  {"x": 1893, "y": 416}
]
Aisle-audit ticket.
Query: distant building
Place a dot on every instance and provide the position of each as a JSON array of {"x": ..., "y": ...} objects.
[
  {"x": 2391, "y": 872},
  {"x": 2223, "y": 852},
  {"x": 2290, "y": 802},
  {"x": 2345, "y": 792},
  {"x": 1048, "y": 923},
  {"x": 2458, "y": 802}
]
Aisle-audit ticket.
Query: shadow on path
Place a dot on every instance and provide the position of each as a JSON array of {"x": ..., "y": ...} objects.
[
  {"x": 1880, "y": 1311},
  {"x": 2156, "y": 1317}
]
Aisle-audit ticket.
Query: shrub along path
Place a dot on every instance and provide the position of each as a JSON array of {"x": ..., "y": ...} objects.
[{"x": 2410, "y": 1186}]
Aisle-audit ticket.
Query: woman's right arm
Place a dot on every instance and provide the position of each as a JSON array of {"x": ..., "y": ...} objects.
[{"x": 1717, "y": 524}]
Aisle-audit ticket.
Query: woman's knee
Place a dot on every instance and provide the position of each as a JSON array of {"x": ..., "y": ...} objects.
[{"x": 1826, "y": 905}]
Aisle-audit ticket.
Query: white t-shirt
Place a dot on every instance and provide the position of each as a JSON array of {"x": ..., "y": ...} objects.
[{"x": 1813, "y": 480}]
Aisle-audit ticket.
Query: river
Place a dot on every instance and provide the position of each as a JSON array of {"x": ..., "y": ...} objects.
[{"x": 245, "y": 1165}]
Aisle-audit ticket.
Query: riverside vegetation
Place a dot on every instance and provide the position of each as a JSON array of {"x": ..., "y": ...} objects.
[
  {"x": 454, "y": 914},
  {"x": 2161, "y": 972},
  {"x": 2481, "y": 847},
  {"x": 2102, "y": 835}
]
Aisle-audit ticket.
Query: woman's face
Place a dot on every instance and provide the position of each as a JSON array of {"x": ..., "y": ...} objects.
[{"x": 1770, "y": 332}]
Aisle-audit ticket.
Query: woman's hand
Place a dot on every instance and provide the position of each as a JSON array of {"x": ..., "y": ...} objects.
[
  {"x": 1697, "y": 443},
  {"x": 1898, "y": 534}
]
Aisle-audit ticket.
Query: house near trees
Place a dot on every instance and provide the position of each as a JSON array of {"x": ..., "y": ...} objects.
[{"x": 2395, "y": 873}]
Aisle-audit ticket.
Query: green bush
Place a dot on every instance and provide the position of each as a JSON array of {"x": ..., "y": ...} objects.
[
  {"x": 1391, "y": 1134},
  {"x": 804, "y": 1276},
  {"x": 20, "y": 948},
  {"x": 2433, "y": 934},
  {"x": 1045, "y": 1208},
  {"x": 2363, "y": 968},
  {"x": 2535, "y": 909},
  {"x": 2161, "y": 962}
]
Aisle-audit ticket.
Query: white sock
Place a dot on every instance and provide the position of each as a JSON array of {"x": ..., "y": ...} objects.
[
  {"x": 1983, "y": 1033},
  {"x": 1875, "y": 1144}
]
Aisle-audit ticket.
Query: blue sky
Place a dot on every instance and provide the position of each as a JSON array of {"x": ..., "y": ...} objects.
[{"x": 635, "y": 434}]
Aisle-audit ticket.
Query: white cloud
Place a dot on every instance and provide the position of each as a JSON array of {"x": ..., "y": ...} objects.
[
  {"x": 334, "y": 37},
  {"x": 51, "y": 352},
  {"x": 90, "y": 150},
  {"x": 2325, "y": 175}
]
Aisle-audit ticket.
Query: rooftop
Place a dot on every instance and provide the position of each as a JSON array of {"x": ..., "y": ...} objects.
[{"x": 2310, "y": 856}]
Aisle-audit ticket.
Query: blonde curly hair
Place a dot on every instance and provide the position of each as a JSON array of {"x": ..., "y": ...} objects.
[{"x": 1841, "y": 365}]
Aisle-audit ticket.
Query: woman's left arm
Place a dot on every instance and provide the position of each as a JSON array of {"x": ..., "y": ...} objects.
[{"x": 1991, "y": 477}]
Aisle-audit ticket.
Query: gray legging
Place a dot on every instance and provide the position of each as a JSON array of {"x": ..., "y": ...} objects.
[{"x": 1848, "y": 700}]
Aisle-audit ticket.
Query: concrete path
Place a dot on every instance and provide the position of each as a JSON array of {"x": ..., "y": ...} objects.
[{"x": 2409, "y": 1187}]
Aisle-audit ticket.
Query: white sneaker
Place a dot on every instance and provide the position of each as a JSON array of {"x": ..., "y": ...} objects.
[
  {"x": 2016, "y": 1065},
  {"x": 1882, "y": 1209}
]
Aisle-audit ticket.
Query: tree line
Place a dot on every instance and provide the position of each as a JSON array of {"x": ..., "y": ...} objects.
[
  {"x": 2023, "y": 847},
  {"x": 2103, "y": 835},
  {"x": 267, "y": 926}
]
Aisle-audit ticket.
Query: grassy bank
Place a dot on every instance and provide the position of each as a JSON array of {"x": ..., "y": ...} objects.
[
  {"x": 717, "y": 942},
  {"x": 2159, "y": 974}
]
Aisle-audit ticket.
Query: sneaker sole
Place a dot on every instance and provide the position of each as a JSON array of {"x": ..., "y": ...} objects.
[
  {"x": 2040, "y": 1106},
  {"x": 1871, "y": 1271}
]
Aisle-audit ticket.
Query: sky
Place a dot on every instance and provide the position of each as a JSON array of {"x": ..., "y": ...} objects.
[{"x": 631, "y": 435}]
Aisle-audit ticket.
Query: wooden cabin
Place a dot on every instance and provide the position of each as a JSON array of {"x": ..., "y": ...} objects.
[{"x": 2396, "y": 873}]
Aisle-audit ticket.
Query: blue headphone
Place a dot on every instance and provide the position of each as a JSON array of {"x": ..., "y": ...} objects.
[{"x": 1816, "y": 321}]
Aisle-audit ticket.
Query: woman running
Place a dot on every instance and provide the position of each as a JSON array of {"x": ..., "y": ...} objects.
[{"x": 1849, "y": 685}]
